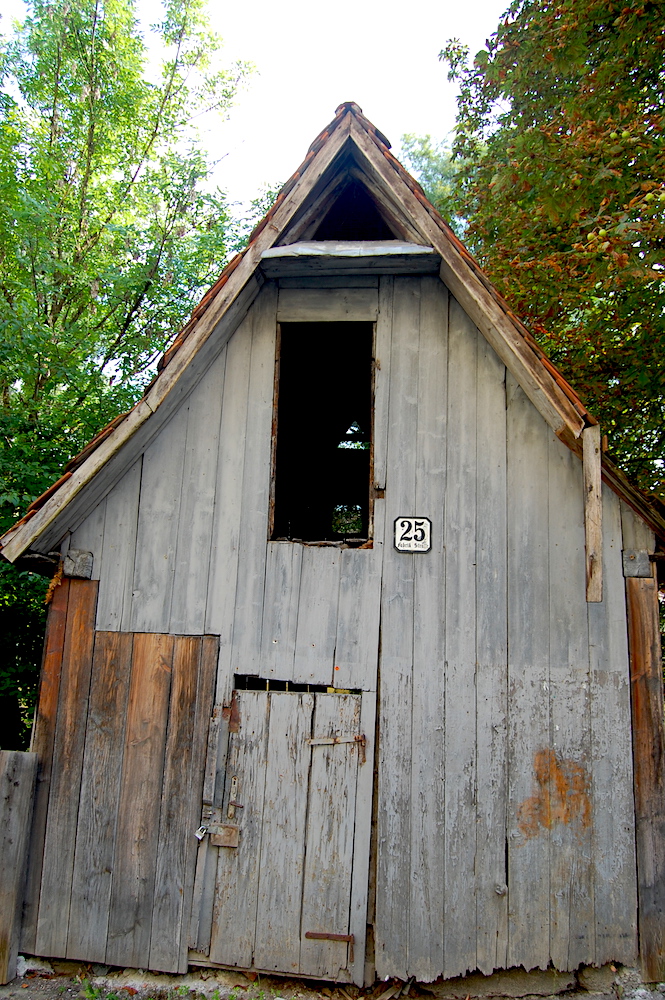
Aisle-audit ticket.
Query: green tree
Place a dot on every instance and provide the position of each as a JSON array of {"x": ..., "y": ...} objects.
[
  {"x": 560, "y": 127},
  {"x": 108, "y": 230},
  {"x": 436, "y": 171}
]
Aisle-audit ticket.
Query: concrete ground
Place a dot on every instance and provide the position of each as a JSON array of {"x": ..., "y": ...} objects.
[{"x": 61, "y": 980}]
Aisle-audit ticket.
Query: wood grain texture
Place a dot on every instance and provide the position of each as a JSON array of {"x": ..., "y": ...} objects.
[
  {"x": 359, "y": 917},
  {"x": 528, "y": 677},
  {"x": 648, "y": 756},
  {"x": 136, "y": 843},
  {"x": 382, "y": 353},
  {"x": 118, "y": 552},
  {"x": 593, "y": 513},
  {"x": 42, "y": 740},
  {"x": 195, "y": 522},
  {"x": 18, "y": 771},
  {"x": 89, "y": 537},
  {"x": 357, "y": 638},
  {"x": 60, "y": 839},
  {"x": 613, "y": 806},
  {"x": 396, "y": 663},
  {"x": 460, "y": 647},
  {"x": 426, "y": 920},
  {"x": 492, "y": 663},
  {"x": 277, "y": 945},
  {"x": 100, "y": 790},
  {"x": 280, "y": 609},
  {"x": 317, "y": 615},
  {"x": 326, "y": 305},
  {"x": 572, "y": 906}
]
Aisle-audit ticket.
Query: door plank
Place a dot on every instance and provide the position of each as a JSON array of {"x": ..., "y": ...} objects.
[
  {"x": 280, "y": 609},
  {"x": 317, "y": 615},
  {"x": 357, "y": 642},
  {"x": 136, "y": 844},
  {"x": 329, "y": 837},
  {"x": 284, "y": 817},
  {"x": 100, "y": 788},
  {"x": 237, "y": 878}
]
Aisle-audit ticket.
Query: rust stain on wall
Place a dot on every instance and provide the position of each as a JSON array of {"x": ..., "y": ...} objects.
[{"x": 562, "y": 796}]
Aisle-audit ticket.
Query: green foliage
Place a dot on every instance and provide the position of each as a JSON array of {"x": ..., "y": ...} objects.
[
  {"x": 436, "y": 171},
  {"x": 560, "y": 128},
  {"x": 108, "y": 232}
]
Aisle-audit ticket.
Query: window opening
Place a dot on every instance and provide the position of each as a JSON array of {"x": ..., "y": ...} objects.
[
  {"x": 353, "y": 216},
  {"x": 247, "y": 682},
  {"x": 324, "y": 424}
]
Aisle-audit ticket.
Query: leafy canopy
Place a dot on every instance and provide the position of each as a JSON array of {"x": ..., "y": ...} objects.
[{"x": 560, "y": 127}]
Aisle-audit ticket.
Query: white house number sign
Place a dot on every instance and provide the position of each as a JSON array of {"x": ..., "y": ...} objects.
[{"x": 413, "y": 534}]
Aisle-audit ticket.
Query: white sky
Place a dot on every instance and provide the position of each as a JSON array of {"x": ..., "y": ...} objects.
[{"x": 310, "y": 57}]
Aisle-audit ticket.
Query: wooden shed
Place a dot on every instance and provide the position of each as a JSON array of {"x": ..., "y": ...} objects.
[{"x": 354, "y": 668}]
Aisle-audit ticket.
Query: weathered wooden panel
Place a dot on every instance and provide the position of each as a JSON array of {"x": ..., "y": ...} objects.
[
  {"x": 357, "y": 641},
  {"x": 60, "y": 839},
  {"x": 90, "y": 537},
  {"x": 190, "y": 704},
  {"x": 329, "y": 837},
  {"x": 572, "y": 931},
  {"x": 237, "y": 877},
  {"x": 327, "y": 305},
  {"x": 118, "y": 551},
  {"x": 528, "y": 682},
  {"x": 460, "y": 647},
  {"x": 317, "y": 615},
  {"x": 492, "y": 663},
  {"x": 280, "y": 609},
  {"x": 246, "y": 653},
  {"x": 17, "y": 785},
  {"x": 277, "y": 945},
  {"x": 359, "y": 918},
  {"x": 157, "y": 535},
  {"x": 43, "y": 738},
  {"x": 382, "y": 354},
  {"x": 648, "y": 757},
  {"x": 100, "y": 790},
  {"x": 197, "y": 505},
  {"x": 394, "y": 751},
  {"x": 426, "y": 914},
  {"x": 137, "y": 834},
  {"x": 615, "y": 889}
]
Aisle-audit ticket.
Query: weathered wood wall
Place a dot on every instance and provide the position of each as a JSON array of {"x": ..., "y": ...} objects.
[
  {"x": 17, "y": 784},
  {"x": 121, "y": 735},
  {"x": 506, "y": 829}
]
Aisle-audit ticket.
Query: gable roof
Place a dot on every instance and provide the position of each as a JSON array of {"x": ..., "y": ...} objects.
[{"x": 350, "y": 150}]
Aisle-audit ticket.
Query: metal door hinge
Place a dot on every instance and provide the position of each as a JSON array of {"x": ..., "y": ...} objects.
[{"x": 320, "y": 741}]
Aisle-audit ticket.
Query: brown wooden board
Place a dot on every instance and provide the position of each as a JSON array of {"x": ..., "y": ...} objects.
[
  {"x": 136, "y": 845},
  {"x": 17, "y": 783},
  {"x": 43, "y": 737},
  {"x": 648, "y": 757},
  {"x": 100, "y": 789},
  {"x": 60, "y": 840}
]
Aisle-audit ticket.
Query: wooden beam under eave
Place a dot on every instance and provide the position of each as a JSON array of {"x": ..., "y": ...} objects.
[
  {"x": 646, "y": 689},
  {"x": 593, "y": 513}
]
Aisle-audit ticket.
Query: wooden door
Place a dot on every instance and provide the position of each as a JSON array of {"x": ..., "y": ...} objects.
[{"x": 291, "y": 897}]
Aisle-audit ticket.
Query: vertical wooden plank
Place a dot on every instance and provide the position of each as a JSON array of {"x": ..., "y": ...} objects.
[
  {"x": 396, "y": 664},
  {"x": 648, "y": 755},
  {"x": 613, "y": 808},
  {"x": 636, "y": 534},
  {"x": 116, "y": 575},
  {"x": 228, "y": 497},
  {"x": 89, "y": 536},
  {"x": 460, "y": 618},
  {"x": 60, "y": 841},
  {"x": 197, "y": 504},
  {"x": 42, "y": 740},
  {"x": 359, "y": 918},
  {"x": 326, "y": 890},
  {"x": 236, "y": 889},
  {"x": 17, "y": 784},
  {"x": 161, "y": 486},
  {"x": 572, "y": 919},
  {"x": 280, "y": 609},
  {"x": 136, "y": 843},
  {"x": 317, "y": 615},
  {"x": 179, "y": 810},
  {"x": 246, "y": 652},
  {"x": 277, "y": 945},
  {"x": 427, "y": 776},
  {"x": 382, "y": 353},
  {"x": 100, "y": 788},
  {"x": 492, "y": 659},
  {"x": 593, "y": 513},
  {"x": 528, "y": 680},
  {"x": 357, "y": 640}
]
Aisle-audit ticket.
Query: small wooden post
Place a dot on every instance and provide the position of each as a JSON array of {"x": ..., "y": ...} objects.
[
  {"x": 646, "y": 685},
  {"x": 17, "y": 784},
  {"x": 593, "y": 513}
]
